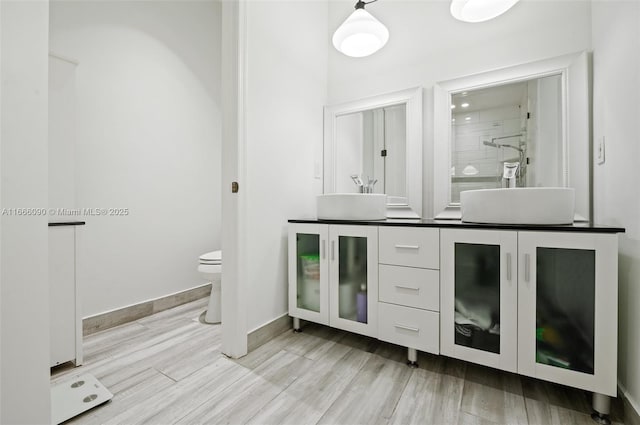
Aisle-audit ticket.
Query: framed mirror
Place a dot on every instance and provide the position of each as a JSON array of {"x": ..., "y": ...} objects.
[
  {"x": 378, "y": 138},
  {"x": 535, "y": 114}
]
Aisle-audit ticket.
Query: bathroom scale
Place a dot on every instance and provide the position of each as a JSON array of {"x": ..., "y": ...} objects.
[{"x": 75, "y": 396}]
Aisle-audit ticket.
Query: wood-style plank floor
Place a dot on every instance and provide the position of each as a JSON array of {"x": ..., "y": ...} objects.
[{"x": 168, "y": 369}]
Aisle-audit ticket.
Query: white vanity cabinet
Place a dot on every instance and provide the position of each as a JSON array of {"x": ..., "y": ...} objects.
[
  {"x": 542, "y": 304},
  {"x": 409, "y": 287},
  {"x": 333, "y": 275},
  {"x": 568, "y": 308},
  {"x": 479, "y": 296}
]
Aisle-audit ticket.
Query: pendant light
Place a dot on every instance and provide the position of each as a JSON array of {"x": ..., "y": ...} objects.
[
  {"x": 360, "y": 34},
  {"x": 479, "y": 10}
]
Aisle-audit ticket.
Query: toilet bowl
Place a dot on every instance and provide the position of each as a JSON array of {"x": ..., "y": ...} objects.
[{"x": 211, "y": 268}]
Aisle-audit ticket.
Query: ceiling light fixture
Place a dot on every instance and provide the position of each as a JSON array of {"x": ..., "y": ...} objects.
[
  {"x": 465, "y": 105},
  {"x": 479, "y": 10},
  {"x": 360, "y": 34}
]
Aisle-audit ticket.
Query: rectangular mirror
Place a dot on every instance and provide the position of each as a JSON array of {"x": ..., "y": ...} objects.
[
  {"x": 381, "y": 138},
  {"x": 518, "y": 122},
  {"x": 536, "y": 114}
]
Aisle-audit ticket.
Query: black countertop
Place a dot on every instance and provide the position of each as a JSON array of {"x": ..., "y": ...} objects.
[
  {"x": 584, "y": 227},
  {"x": 66, "y": 223}
]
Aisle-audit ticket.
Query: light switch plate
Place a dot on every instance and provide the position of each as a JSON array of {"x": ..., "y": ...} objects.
[{"x": 599, "y": 154}]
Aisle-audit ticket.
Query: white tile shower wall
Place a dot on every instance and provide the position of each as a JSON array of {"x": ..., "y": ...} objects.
[{"x": 469, "y": 149}]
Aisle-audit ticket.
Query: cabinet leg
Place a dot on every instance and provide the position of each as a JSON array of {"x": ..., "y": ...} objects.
[
  {"x": 296, "y": 325},
  {"x": 601, "y": 408},
  {"x": 412, "y": 357}
]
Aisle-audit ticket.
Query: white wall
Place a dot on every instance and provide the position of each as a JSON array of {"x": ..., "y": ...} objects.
[
  {"x": 24, "y": 295},
  {"x": 148, "y": 139},
  {"x": 616, "y": 87},
  {"x": 350, "y": 150},
  {"x": 287, "y": 44},
  {"x": 428, "y": 45}
]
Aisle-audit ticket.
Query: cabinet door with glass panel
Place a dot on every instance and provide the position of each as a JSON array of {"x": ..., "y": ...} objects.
[
  {"x": 309, "y": 272},
  {"x": 353, "y": 285},
  {"x": 567, "y": 318},
  {"x": 478, "y": 296}
]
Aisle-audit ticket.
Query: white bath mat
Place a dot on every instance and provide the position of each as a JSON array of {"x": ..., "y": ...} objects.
[{"x": 76, "y": 395}]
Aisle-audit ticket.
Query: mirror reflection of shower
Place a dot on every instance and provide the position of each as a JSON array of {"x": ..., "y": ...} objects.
[
  {"x": 521, "y": 159},
  {"x": 515, "y": 122}
]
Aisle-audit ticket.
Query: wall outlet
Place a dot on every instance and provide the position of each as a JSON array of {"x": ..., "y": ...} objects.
[{"x": 599, "y": 154}]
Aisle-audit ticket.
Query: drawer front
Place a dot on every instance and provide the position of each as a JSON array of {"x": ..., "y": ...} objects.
[
  {"x": 409, "y": 286},
  {"x": 409, "y": 327},
  {"x": 410, "y": 246}
]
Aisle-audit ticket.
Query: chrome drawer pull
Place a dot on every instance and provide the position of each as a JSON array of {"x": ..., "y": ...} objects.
[
  {"x": 409, "y": 288},
  {"x": 407, "y": 328},
  {"x": 407, "y": 247}
]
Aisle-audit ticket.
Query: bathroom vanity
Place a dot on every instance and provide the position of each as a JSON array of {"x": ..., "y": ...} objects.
[{"x": 536, "y": 300}]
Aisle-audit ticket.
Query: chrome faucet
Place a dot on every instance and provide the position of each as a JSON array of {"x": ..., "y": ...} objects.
[
  {"x": 362, "y": 187},
  {"x": 509, "y": 174}
]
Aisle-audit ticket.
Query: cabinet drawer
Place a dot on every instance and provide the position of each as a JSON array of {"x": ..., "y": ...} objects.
[
  {"x": 409, "y": 286},
  {"x": 409, "y": 327},
  {"x": 410, "y": 246}
]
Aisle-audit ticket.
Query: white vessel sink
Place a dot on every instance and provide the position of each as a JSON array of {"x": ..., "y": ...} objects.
[
  {"x": 352, "y": 206},
  {"x": 526, "y": 205}
]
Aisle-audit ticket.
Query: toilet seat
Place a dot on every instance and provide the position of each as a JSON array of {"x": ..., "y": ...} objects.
[{"x": 211, "y": 258}]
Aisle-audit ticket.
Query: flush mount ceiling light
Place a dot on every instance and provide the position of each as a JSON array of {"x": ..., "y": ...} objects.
[
  {"x": 360, "y": 34},
  {"x": 479, "y": 10}
]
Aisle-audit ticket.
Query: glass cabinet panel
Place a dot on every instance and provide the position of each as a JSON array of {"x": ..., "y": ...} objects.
[
  {"x": 352, "y": 278},
  {"x": 565, "y": 308},
  {"x": 308, "y": 271},
  {"x": 477, "y": 296}
]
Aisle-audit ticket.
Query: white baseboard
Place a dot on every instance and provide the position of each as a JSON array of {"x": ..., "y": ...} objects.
[{"x": 631, "y": 407}]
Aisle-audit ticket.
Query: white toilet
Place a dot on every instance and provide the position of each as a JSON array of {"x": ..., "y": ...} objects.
[{"x": 211, "y": 268}]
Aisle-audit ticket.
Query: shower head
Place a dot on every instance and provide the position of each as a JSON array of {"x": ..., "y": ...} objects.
[{"x": 501, "y": 145}]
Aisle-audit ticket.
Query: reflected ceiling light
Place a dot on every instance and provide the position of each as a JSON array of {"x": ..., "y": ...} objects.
[
  {"x": 453, "y": 106},
  {"x": 467, "y": 118},
  {"x": 465, "y": 105},
  {"x": 479, "y": 10},
  {"x": 360, "y": 34}
]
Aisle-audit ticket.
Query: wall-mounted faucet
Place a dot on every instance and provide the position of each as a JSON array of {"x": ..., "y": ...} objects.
[
  {"x": 509, "y": 174},
  {"x": 362, "y": 187}
]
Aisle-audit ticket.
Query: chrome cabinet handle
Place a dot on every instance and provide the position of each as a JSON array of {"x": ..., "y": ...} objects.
[
  {"x": 333, "y": 250},
  {"x": 406, "y": 328},
  {"x": 527, "y": 259},
  {"x": 410, "y": 288},
  {"x": 509, "y": 266},
  {"x": 324, "y": 249},
  {"x": 407, "y": 246}
]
